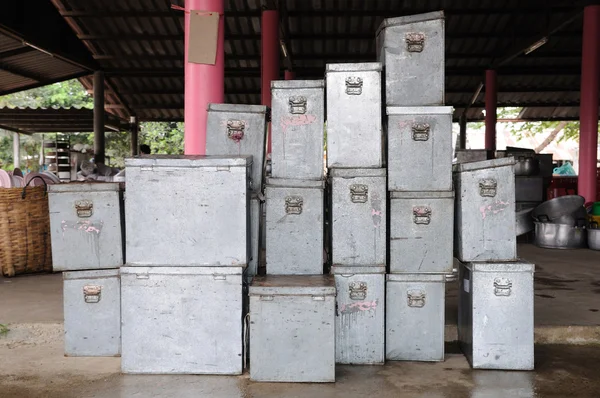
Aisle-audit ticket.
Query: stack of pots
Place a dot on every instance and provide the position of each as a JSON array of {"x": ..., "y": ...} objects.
[{"x": 560, "y": 223}]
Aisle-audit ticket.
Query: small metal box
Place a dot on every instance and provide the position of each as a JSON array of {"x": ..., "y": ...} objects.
[
  {"x": 297, "y": 129},
  {"x": 485, "y": 225},
  {"x": 354, "y": 131},
  {"x": 411, "y": 49},
  {"x": 239, "y": 130},
  {"x": 188, "y": 210},
  {"x": 292, "y": 329},
  {"x": 415, "y": 317},
  {"x": 421, "y": 232},
  {"x": 419, "y": 148},
  {"x": 86, "y": 226},
  {"x": 92, "y": 311},
  {"x": 295, "y": 214},
  {"x": 495, "y": 315},
  {"x": 182, "y": 320},
  {"x": 360, "y": 315}
]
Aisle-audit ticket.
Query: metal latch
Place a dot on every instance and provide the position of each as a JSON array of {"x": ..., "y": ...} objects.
[
  {"x": 420, "y": 131},
  {"x": 359, "y": 193},
  {"x": 91, "y": 293},
  {"x": 487, "y": 187},
  {"x": 266, "y": 298},
  {"x": 293, "y": 204},
  {"x": 415, "y": 42},
  {"x": 235, "y": 130},
  {"x": 354, "y": 85},
  {"x": 502, "y": 287},
  {"x": 297, "y": 105},
  {"x": 422, "y": 215},
  {"x": 219, "y": 277},
  {"x": 84, "y": 208},
  {"x": 318, "y": 298},
  {"x": 358, "y": 290},
  {"x": 416, "y": 298}
]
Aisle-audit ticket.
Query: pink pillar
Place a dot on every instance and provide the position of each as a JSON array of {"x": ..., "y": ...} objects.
[
  {"x": 588, "y": 106},
  {"x": 290, "y": 75},
  {"x": 491, "y": 94},
  {"x": 269, "y": 38},
  {"x": 204, "y": 84}
]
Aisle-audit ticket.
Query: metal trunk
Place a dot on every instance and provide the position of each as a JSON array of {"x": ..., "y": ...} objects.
[
  {"x": 92, "y": 311},
  {"x": 182, "y": 320},
  {"x": 297, "y": 123},
  {"x": 360, "y": 315},
  {"x": 485, "y": 211},
  {"x": 86, "y": 225},
  {"x": 354, "y": 131},
  {"x": 292, "y": 329},
  {"x": 421, "y": 232},
  {"x": 495, "y": 315},
  {"x": 188, "y": 211},
  {"x": 295, "y": 213},
  {"x": 358, "y": 217},
  {"x": 411, "y": 49},
  {"x": 415, "y": 317},
  {"x": 419, "y": 148},
  {"x": 529, "y": 189},
  {"x": 239, "y": 130}
]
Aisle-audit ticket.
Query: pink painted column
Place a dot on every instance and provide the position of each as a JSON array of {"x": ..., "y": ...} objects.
[
  {"x": 588, "y": 107},
  {"x": 204, "y": 84},
  {"x": 491, "y": 101},
  {"x": 269, "y": 65},
  {"x": 290, "y": 75}
]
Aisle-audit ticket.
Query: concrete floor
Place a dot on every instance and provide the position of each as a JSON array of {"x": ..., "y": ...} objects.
[{"x": 566, "y": 311}]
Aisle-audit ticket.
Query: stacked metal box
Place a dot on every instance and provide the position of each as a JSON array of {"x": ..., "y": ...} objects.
[
  {"x": 496, "y": 297},
  {"x": 419, "y": 159},
  {"x": 188, "y": 223},
  {"x": 357, "y": 209},
  {"x": 87, "y": 236}
]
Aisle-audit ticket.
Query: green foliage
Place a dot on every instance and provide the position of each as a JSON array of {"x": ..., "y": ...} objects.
[
  {"x": 4, "y": 330},
  {"x": 163, "y": 137},
  {"x": 64, "y": 95}
]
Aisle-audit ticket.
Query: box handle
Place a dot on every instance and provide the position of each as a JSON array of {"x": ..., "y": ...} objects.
[
  {"x": 487, "y": 187},
  {"x": 416, "y": 298},
  {"x": 219, "y": 277},
  {"x": 297, "y": 105},
  {"x": 422, "y": 215},
  {"x": 318, "y": 298},
  {"x": 502, "y": 287},
  {"x": 92, "y": 293},
  {"x": 359, "y": 193},
  {"x": 293, "y": 204},
  {"x": 420, "y": 131},
  {"x": 415, "y": 42},
  {"x": 358, "y": 290},
  {"x": 235, "y": 130},
  {"x": 84, "y": 208},
  {"x": 354, "y": 85},
  {"x": 266, "y": 298}
]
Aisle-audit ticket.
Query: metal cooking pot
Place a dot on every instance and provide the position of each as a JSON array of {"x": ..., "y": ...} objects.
[
  {"x": 594, "y": 236},
  {"x": 524, "y": 221},
  {"x": 527, "y": 166},
  {"x": 566, "y": 210},
  {"x": 559, "y": 236}
]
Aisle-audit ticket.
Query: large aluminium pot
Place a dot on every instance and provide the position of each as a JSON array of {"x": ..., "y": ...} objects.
[
  {"x": 567, "y": 210},
  {"x": 524, "y": 221},
  {"x": 559, "y": 236}
]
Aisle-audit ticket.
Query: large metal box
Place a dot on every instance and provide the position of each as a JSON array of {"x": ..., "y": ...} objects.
[
  {"x": 182, "y": 320},
  {"x": 354, "y": 131},
  {"x": 292, "y": 329},
  {"x": 360, "y": 315},
  {"x": 92, "y": 311},
  {"x": 297, "y": 124},
  {"x": 485, "y": 211},
  {"x": 421, "y": 232},
  {"x": 295, "y": 214},
  {"x": 411, "y": 49},
  {"x": 529, "y": 189},
  {"x": 255, "y": 218},
  {"x": 415, "y": 317},
  {"x": 419, "y": 148},
  {"x": 358, "y": 217},
  {"x": 188, "y": 210},
  {"x": 495, "y": 315},
  {"x": 239, "y": 130},
  {"x": 86, "y": 225}
]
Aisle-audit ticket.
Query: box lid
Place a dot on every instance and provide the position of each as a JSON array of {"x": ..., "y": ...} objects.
[
  {"x": 410, "y": 19},
  {"x": 352, "y": 173},
  {"x": 237, "y": 108},
  {"x": 86, "y": 187},
  {"x": 92, "y": 274},
  {"x": 293, "y": 285},
  {"x": 422, "y": 195},
  {"x": 433, "y": 277},
  {"x": 188, "y": 161},
  {"x": 349, "y": 271},
  {"x": 290, "y": 183},
  {"x": 199, "y": 270},
  {"x": 353, "y": 67},
  {"x": 483, "y": 164},
  {"x": 418, "y": 110},
  {"x": 506, "y": 266},
  {"x": 297, "y": 84}
]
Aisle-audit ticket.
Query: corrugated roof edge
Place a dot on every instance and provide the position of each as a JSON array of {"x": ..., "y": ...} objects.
[{"x": 410, "y": 19}]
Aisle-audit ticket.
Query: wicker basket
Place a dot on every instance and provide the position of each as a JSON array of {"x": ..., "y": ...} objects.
[{"x": 24, "y": 231}]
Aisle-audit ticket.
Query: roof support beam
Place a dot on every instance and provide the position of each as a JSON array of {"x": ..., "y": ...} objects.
[
  {"x": 15, "y": 129},
  {"x": 18, "y": 72},
  {"x": 17, "y": 51}
]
